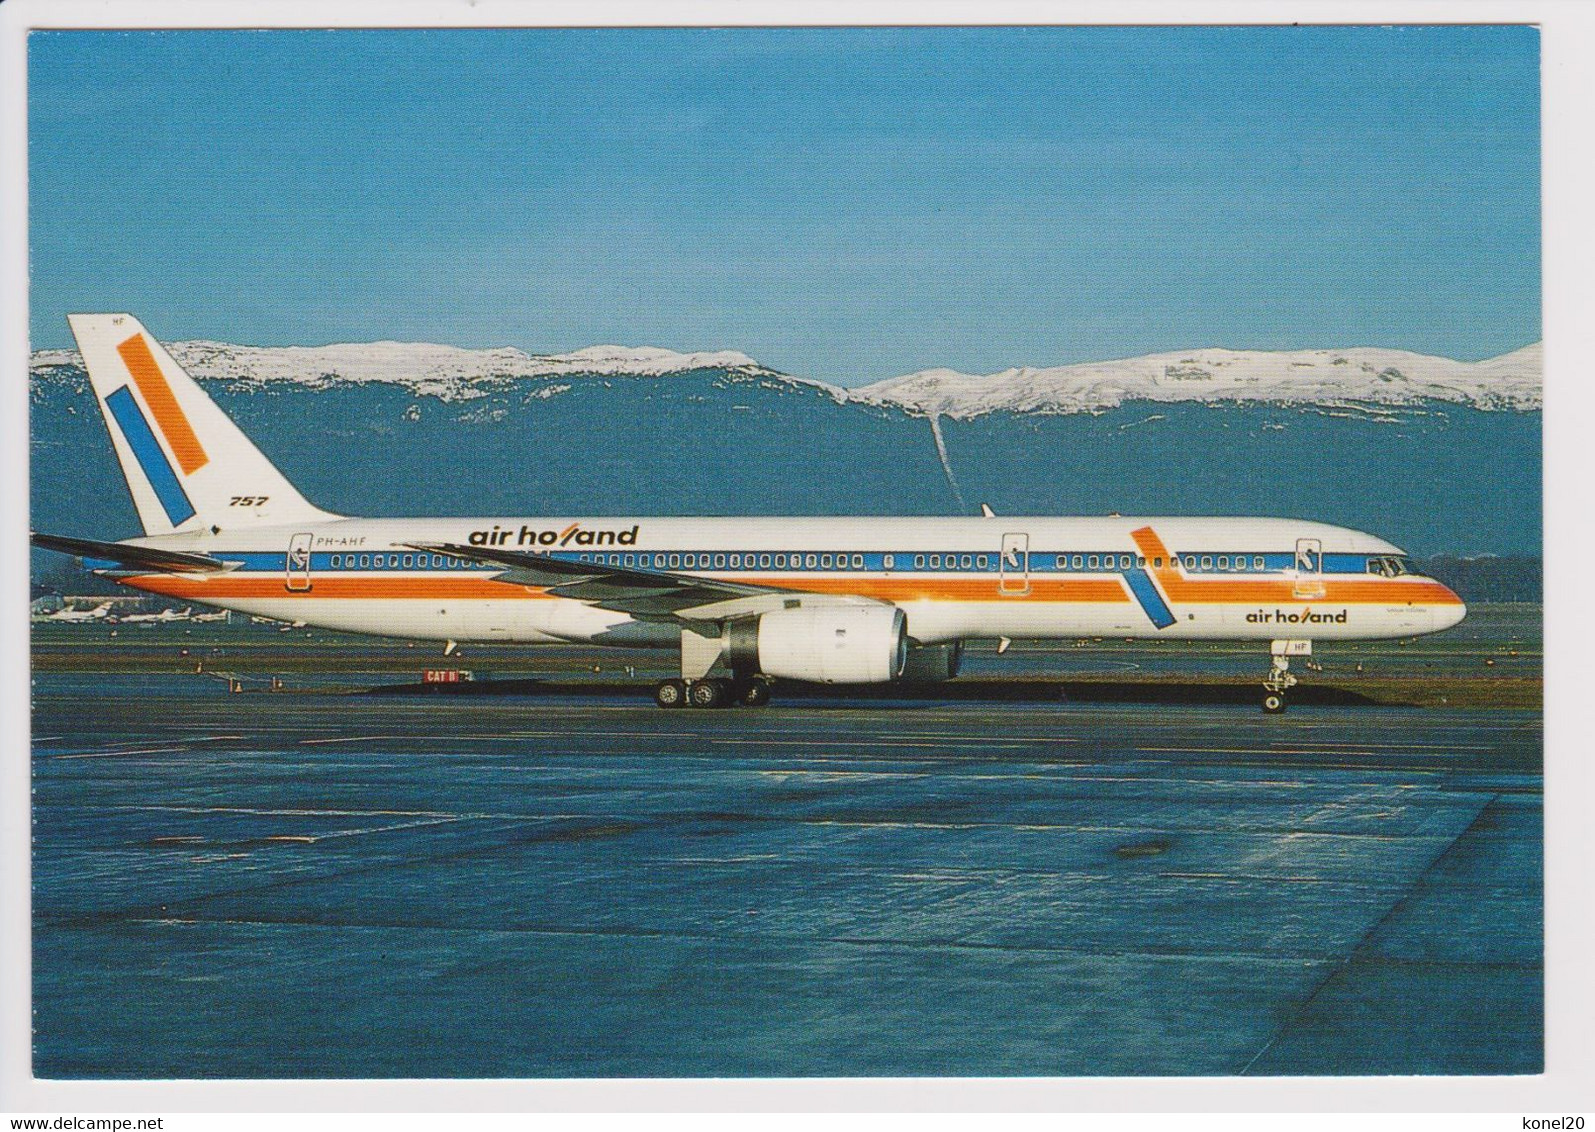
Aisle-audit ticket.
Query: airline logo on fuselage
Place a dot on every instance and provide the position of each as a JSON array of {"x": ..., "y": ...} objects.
[
  {"x": 573, "y": 535},
  {"x": 1308, "y": 616}
]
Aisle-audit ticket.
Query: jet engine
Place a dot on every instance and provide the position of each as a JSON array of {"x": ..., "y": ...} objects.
[
  {"x": 930, "y": 663},
  {"x": 865, "y": 644}
]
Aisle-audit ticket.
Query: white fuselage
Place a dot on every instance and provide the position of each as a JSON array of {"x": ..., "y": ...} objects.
[{"x": 953, "y": 578}]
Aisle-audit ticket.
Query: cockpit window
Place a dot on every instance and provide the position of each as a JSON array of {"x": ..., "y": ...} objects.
[{"x": 1390, "y": 566}]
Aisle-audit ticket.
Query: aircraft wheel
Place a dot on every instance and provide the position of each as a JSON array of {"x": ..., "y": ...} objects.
[
  {"x": 1273, "y": 703},
  {"x": 670, "y": 694},
  {"x": 755, "y": 694},
  {"x": 707, "y": 693}
]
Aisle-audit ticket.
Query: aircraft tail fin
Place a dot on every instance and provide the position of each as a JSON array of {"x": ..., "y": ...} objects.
[{"x": 187, "y": 465}]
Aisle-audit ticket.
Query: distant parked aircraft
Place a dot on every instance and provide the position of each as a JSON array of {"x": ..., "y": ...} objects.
[
  {"x": 78, "y": 616},
  {"x": 161, "y": 618},
  {"x": 841, "y": 601}
]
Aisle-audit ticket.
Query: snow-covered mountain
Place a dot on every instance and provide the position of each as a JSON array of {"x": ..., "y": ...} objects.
[
  {"x": 389, "y": 429},
  {"x": 1356, "y": 377},
  {"x": 450, "y": 373},
  {"x": 1317, "y": 377}
]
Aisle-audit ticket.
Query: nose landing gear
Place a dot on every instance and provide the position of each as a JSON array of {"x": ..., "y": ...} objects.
[{"x": 1279, "y": 679}]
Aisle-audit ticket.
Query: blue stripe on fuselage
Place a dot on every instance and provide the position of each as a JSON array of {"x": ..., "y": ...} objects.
[{"x": 1146, "y": 593}]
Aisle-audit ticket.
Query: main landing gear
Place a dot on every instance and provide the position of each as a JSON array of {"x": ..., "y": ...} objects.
[
  {"x": 753, "y": 691},
  {"x": 1279, "y": 679}
]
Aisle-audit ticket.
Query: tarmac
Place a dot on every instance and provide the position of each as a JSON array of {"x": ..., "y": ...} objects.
[{"x": 559, "y": 884}]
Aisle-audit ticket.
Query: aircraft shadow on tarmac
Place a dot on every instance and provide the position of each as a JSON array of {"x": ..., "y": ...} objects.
[{"x": 984, "y": 691}]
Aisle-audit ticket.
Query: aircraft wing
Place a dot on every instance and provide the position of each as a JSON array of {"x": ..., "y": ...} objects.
[
  {"x": 131, "y": 556},
  {"x": 648, "y": 595}
]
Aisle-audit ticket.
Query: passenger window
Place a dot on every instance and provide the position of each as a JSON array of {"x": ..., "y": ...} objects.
[
  {"x": 365, "y": 561},
  {"x": 1076, "y": 561},
  {"x": 919, "y": 561},
  {"x": 858, "y": 562},
  {"x": 935, "y": 562},
  {"x": 825, "y": 561},
  {"x": 614, "y": 560},
  {"x": 337, "y": 561},
  {"x": 1062, "y": 563},
  {"x": 409, "y": 561},
  {"x": 1258, "y": 562},
  {"x": 719, "y": 561},
  {"x": 1157, "y": 563},
  {"x": 764, "y": 561},
  {"x": 631, "y": 559},
  {"x": 889, "y": 561},
  {"x": 1207, "y": 561},
  {"x": 810, "y": 560},
  {"x": 983, "y": 562},
  {"x": 1190, "y": 561},
  {"x": 675, "y": 560},
  {"x": 1092, "y": 562},
  {"x": 1223, "y": 562},
  {"x": 1124, "y": 562},
  {"x": 967, "y": 561}
]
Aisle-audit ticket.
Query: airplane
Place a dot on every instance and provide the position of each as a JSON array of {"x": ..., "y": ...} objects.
[
  {"x": 80, "y": 616},
  {"x": 743, "y": 602},
  {"x": 219, "y": 615},
  {"x": 165, "y": 616}
]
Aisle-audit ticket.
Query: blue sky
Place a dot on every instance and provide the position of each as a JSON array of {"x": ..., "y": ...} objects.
[{"x": 843, "y": 204}]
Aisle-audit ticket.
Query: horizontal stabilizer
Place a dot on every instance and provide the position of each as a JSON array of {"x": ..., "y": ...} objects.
[{"x": 132, "y": 556}]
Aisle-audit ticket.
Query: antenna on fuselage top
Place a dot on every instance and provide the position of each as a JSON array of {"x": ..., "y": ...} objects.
[{"x": 986, "y": 512}]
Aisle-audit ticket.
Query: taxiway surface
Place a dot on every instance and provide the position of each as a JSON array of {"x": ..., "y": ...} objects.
[{"x": 336, "y": 886}]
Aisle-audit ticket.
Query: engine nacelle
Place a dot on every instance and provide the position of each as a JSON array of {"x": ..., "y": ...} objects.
[
  {"x": 828, "y": 645},
  {"x": 929, "y": 663}
]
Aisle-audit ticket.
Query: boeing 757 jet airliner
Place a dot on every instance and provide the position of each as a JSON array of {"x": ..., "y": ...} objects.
[{"x": 743, "y": 601}]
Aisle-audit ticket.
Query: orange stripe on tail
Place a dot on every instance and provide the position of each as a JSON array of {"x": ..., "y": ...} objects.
[{"x": 163, "y": 404}]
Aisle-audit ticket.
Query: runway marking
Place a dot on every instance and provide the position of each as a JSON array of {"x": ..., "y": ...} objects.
[
  {"x": 119, "y": 754},
  {"x": 1371, "y": 749},
  {"x": 357, "y": 739},
  {"x": 754, "y": 740},
  {"x": 1289, "y": 961},
  {"x": 300, "y": 813}
]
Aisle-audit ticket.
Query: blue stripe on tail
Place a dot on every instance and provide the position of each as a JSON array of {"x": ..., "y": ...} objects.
[{"x": 147, "y": 450}]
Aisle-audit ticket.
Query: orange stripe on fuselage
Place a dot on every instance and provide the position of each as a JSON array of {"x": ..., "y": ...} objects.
[
  {"x": 325, "y": 586},
  {"x": 158, "y": 396},
  {"x": 1073, "y": 590},
  {"x": 331, "y": 585}
]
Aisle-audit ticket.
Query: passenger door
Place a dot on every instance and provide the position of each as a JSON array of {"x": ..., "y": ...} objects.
[
  {"x": 298, "y": 579},
  {"x": 1013, "y": 565},
  {"x": 1309, "y": 568}
]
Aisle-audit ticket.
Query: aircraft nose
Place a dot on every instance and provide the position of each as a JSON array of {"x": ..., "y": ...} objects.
[{"x": 1447, "y": 613}]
